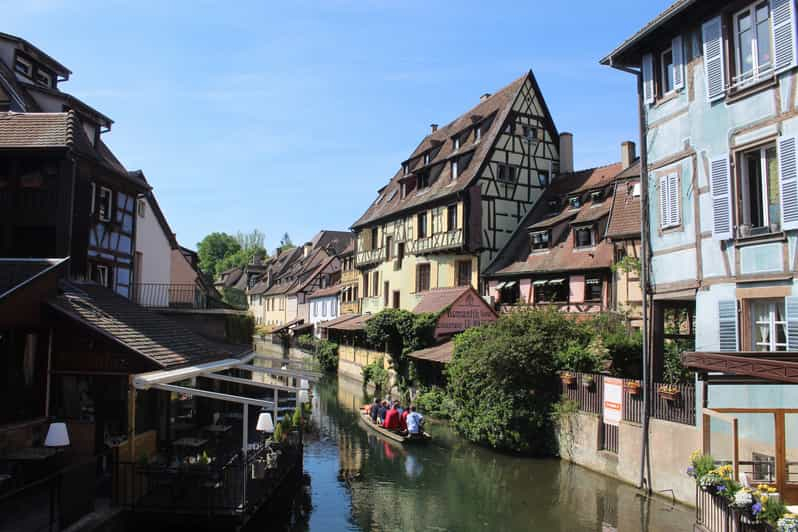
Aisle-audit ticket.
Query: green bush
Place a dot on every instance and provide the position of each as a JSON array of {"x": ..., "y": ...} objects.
[
  {"x": 674, "y": 371},
  {"x": 626, "y": 352},
  {"x": 235, "y": 297},
  {"x": 576, "y": 357},
  {"x": 296, "y": 419},
  {"x": 376, "y": 374},
  {"x": 434, "y": 402},
  {"x": 502, "y": 379},
  {"x": 325, "y": 352}
]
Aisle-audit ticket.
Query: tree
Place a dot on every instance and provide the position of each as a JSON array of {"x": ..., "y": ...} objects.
[
  {"x": 285, "y": 242},
  {"x": 253, "y": 240},
  {"x": 214, "y": 248}
]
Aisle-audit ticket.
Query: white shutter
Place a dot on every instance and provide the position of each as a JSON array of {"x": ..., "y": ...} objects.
[
  {"x": 720, "y": 186},
  {"x": 782, "y": 13},
  {"x": 648, "y": 79},
  {"x": 678, "y": 62},
  {"x": 664, "y": 214},
  {"x": 727, "y": 325},
  {"x": 788, "y": 177},
  {"x": 712, "y": 37},
  {"x": 674, "y": 198},
  {"x": 791, "y": 306}
]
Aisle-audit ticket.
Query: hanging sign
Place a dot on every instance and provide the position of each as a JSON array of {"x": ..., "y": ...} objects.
[{"x": 613, "y": 401}]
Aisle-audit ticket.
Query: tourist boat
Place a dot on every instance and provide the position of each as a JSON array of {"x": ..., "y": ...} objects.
[{"x": 366, "y": 419}]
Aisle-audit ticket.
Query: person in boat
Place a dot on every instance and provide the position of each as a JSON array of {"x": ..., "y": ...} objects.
[
  {"x": 391, "y": 419},
  {"x": 403, "y": 419},
  {"x": 374, "y": 410},
  {"x": 382, "y": 412},
  {"x": 415, "y": 422}
]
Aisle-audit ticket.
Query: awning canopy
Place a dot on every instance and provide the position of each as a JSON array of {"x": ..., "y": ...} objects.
[
  {"x": 510, "y": 284},
  {"x": 556, "y": 281},
  {"x": 774, "y": 366},
  {"x": 540, "y": 282},
  {"x": 500, "y": 285},
  {"x": 441, "y": 353}
]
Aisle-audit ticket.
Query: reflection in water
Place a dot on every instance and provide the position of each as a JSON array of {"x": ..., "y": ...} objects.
[{"x": 360, "y": 481}]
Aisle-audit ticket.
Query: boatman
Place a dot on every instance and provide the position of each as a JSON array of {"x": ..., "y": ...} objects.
[{"x": 414, "y": 422}]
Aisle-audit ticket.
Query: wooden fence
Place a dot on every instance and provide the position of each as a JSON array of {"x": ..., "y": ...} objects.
[{"x": 587, "y": 389}]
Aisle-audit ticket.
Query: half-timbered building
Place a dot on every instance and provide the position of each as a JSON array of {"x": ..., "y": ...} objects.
[{"x": 455, "y": 201}]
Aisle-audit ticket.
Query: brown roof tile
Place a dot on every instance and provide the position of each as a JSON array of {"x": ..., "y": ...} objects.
[
  {"x": 37, "y": 130},
  {"x": 152, "y": 335},
  {"x": 324, "y": 292},
  {"x": 438, "y": 353},
  {"x": 439, "y": 299},
  {"x": 625, "y": 216}
]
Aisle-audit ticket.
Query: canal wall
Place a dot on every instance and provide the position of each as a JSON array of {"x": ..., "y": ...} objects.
[{"x": 671, "y": 445}]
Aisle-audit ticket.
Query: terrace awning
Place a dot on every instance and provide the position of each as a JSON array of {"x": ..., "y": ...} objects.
[
  {"x": 510, "y": 284},
  {"x": 500, "y": 285},
  {"x": 540, "y": 282},
  {"x": 556, "y": 281}
]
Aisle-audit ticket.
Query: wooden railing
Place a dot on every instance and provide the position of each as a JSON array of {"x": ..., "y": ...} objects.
[
  {"x": 436, "y": 242},
  {"x": 680, "y": 409},
  {"x": 371, "y": 256},
  {"x": 163, "y": 295}
]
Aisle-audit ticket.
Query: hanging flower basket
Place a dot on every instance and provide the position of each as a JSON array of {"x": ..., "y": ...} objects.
[
  {"x": 569, "y": 379},
  {"x": 633, "y": 387},
  {"x": 669, "y": 392}
]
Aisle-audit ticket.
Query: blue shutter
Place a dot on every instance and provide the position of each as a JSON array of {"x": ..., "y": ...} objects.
[
  {"x": 721, "y": 198},
  {"x": 678, "y": 62},
  {"x": 648, "y": 79},
  {"x": 791, "y": 306},
  {"x": 788, "y": 177},
  {"x": 782, "y": 13},
  {"x": 714, "y": 70},
  {"x": 727, "y": 325}
]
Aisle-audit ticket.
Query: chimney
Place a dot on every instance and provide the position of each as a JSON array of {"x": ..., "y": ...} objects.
[
  {"x": 306, "y": 249},
  {"x": 566, "y": 153},
  {"x": 484, "y": 97},
  {"x": 433, "y": 127},
  {"x": 628, "y": 154}
]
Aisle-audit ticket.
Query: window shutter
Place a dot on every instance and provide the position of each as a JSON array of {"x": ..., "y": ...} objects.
[
  {"x": 727, "y": 325},
  {"x": 678, "y": 62},
  {"x": 784, "y": 40},
  {"x": 791, "y": 306},
  {"x": 664, "y": 215},
  {"x": 721, "y": 198},
  {"x": 712, "y": 37},
  {"x": 788, "y": 177},
  {"x": 673, "y": 198},
  {"x": 648, "y": 79}
]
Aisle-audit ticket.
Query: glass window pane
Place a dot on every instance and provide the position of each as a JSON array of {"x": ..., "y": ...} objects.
[
  {"x": 791, "y": 446},
  {"x": 745, "y": 43},
  {"x": 757, "y": 447},
  {"x": 774, "y": 194}
]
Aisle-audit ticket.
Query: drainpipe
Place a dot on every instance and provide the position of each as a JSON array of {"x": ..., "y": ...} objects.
[{"x": 645, "y": 254}]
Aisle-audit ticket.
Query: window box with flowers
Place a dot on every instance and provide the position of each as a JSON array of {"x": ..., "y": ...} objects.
[
  {"x": 669, "y": 392},
  {"x": 633, "y": 387},
  {"x": 567, "y": 378}
]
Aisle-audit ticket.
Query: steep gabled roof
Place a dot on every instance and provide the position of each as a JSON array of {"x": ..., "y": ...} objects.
[
  {"x": 439, "y": 299},
  {"x": 45, "y": 58},
  {"x": 164, "y": 342},
  {"x": 495, "y": 108},
  {"x": 625, "y": 215}
]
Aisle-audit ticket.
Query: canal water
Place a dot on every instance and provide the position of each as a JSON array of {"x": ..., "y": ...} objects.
[{"x": 360, "y": 482}]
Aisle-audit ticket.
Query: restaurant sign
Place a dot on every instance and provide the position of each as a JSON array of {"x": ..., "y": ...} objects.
[
  {"x": 468, "y": 311},
  {"x": 613, "y": 401}
]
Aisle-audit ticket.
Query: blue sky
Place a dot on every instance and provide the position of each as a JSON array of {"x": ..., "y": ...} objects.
[{"x": 288, "y": 116}]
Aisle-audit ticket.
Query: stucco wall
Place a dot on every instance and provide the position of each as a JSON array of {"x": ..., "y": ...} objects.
[
  {"x": 181, "y": 270},
  {"x": 323, "y": 309},
  {"x": 155, "y": 262},
  {"x": 670, "y": 443}
]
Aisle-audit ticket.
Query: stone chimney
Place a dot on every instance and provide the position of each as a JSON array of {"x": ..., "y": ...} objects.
[
  {"x": 433, "y": 127},
  {"x": 566, "y": 152},
  {"x": 484, "y": 97},
  {"x": 628, "y": 153},
  {"x": 306, "y": 249}
]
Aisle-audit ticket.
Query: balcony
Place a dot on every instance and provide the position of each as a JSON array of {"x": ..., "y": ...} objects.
[
  {"x": 372, "y": 256},
  {"x": 157, "y": 295},
  {"x": 437, "y": 242}
]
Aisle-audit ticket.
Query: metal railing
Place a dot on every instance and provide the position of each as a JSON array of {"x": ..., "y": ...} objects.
[
  {"x": 714, "y": 514},
  {"x": 161, "y": 295},
  {"x": 587, "y": 390}
]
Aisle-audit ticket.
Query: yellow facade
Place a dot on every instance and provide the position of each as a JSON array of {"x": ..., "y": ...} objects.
[
  {"x": 628, "y": 293},
  {"x": 274, "y": 310}
]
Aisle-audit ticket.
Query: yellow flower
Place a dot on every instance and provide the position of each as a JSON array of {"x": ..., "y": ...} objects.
[
  {"x": 763, "y": 498},
  {"x": 771, "y": 490}
]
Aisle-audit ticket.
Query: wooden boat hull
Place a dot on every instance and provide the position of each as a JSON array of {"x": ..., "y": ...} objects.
[{"x": 405, "y": 440}]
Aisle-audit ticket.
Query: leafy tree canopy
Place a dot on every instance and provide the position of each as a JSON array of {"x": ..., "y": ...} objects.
[
  {"x": 285, "y": 242},
  {"x": 219, "y": 251}
]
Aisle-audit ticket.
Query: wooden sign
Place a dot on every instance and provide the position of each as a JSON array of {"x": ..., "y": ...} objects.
[
  {"x": 470, "y": 310},
  {"x": 613, "y": 401}
]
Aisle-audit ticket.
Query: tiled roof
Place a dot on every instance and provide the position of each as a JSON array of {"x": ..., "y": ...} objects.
[
  {"x": 555, "y": 218},
  {"x": 14, "y": 273},
  {"x": 163, "y": 341},
  {"x": 439, "y": 299},
  {"x": 52, "y": 62},
  {"x": 496, "y": 107},
  {"x": 354, "y": 322},
  {"x": 583, "y": 180},
  {"x": 562, "y": 258},
  {"x": 438, "y": 353},
  {"x": 625, "y": 216},
  {"x": 38, "y": 130},
  {"x": 324, "y": 292}
]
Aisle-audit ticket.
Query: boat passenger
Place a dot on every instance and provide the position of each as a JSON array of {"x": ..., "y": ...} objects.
[
  {"x": 403, "y": 420},
  {"x": 391, "y": 419},
  {"x": 383, "y": 410},
  {"x": 374, "y": 410},
  {"x": 414, "y": 422}
]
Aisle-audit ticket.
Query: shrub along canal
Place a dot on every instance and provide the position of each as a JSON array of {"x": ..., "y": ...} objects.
[{"x": 359, "y": 481}]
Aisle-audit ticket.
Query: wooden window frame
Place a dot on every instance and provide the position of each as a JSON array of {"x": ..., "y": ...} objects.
[
  {"x": 600, "y": 288},
  {"x": 110, "y": 205},
  {"x": 451, "y": 216},
  {"x": 593, "y": 240},
  {"x": 421, "y": 233},
  {"x": 735, "y": 53},
  {"x": 739, "y": 174},
  {"x": 427, "y": 268},
  {"x": 25, "y": 62},
  {"x": 547, "y": 234},
  {"x": 459, "y": 265},
  {"x": 664, "y": 92}
]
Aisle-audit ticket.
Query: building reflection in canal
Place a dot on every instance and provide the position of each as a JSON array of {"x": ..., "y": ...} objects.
[{"x": 361, "y": 482}]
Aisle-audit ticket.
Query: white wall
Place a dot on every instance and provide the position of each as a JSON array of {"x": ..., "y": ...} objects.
[
  {"x": 156, "y": 255},
  {"x": 323, "y": 309}
]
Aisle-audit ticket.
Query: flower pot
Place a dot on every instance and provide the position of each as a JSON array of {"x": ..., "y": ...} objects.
[
  {"x": 568, "y": 379},
  {"x": 670, "y": 395},
  {"x": 633, "y": 388}
]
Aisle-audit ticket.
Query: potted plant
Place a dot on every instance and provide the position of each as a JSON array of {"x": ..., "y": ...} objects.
[
  {"x": 669, "y": 392},
  {"x": 568, "y": 378},
  {"x": 589, "y": 382},
  {"x": 633, "y": 387}
]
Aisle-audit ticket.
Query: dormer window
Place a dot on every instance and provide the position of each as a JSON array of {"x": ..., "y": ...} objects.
[
  {"x": 456, "y": 143},
  {"x": 423, "y": 181},
  {"x": 405, "y": 169},
  {"x": 23, "y": 66},
  {"x": 584, "y": 237},
  {"x": 554, "y": 204},
  {"x": 636, "y": 190},
  {"x": 596, "y": 196},
  {"x": 477, "y": 134},
  {"x": 540, "y": 240},
  {"x": 454, "y": 170},
  {"x": 44, "y": 78},
  {"x": 426, "y": 158},
  {"x": 574, "y": 202}
]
